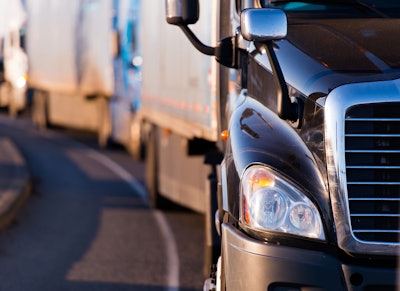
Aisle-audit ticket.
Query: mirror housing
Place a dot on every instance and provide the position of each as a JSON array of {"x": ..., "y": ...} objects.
[
  {"x": 182, "y": 12},
  {"x": 261, "y": 25}
]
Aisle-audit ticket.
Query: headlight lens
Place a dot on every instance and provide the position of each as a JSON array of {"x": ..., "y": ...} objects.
[
  {"x": 21, "y": 81},
  {"x": 269, "y": 202}
]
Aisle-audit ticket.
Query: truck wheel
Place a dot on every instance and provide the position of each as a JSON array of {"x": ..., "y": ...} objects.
[
  {"x": 12, "y": 106},
  {"x": 135, "y": 144},
  {"x": 104, "y": 129},
  {"x": 7, "y": 95},
  {"x": 155, "y": 199},
  {"x": 13, "y": 102},
  {"x": 39, "y": 109}
]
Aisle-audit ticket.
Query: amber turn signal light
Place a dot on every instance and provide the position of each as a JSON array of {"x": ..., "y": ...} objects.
[{"x": 224, "y": 135}]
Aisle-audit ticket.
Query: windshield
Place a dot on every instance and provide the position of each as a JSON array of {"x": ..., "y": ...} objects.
[{"x": 354, "y": 8}]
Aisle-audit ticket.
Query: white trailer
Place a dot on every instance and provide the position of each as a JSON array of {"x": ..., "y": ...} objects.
[
  {"x": 178, "y": 114},
  {"x": 75, "y": 65},
  {"x": 178, "y": 103}
]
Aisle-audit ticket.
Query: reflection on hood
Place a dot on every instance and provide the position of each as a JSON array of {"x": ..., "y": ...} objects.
[{"x": 350, "y": 46}]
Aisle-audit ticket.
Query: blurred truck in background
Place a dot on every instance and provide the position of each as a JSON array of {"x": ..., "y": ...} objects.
[
  {"x": 177, "y": 121},
  {"x": 80, "y": 56},
  {"x": 13, "y": 58}
]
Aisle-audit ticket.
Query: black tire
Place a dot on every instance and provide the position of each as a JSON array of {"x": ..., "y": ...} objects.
[
  {"x": 12, "y": 108},
  {"x": 104, "y": 125},
  {"x": 155, "y": 199},
  {"x": 135, "y": 144},
  {"x": 12, "y": 104},
  {"x": 39, "y": 109}
]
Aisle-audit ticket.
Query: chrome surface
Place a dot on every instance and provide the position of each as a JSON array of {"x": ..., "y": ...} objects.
[
  {"x": 263, "y": 24},
  {"x": 173, "y": 8},
  {"x": 366, "y": 221}
]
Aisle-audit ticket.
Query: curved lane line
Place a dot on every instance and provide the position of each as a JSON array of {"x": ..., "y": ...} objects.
[
  {"x": 170, "y": 243},
  {"x": 171, "y": 248},
  {"x": 119, "y": 171},
  {"x": 172, "y": 252}
]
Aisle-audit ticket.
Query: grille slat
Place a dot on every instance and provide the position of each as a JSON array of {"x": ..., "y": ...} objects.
[
  {"x": 373, "y": 183},
  {"x": 375, "y": 199},
  {"x": 372, "y": 152},
  {"x": 376, "y": 231},
  {"x": 374, "y": 167},
  {"x": 374, "y": 215},
  {"x": 372, "y": 135},
  {"x": 380, "y": 119}
]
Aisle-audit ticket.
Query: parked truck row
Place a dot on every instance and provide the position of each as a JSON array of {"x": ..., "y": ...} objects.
[
  {"x": 80, "y": 65},
  {"x": 284, "y": 131},
  {"x": 80, "y": 59}
]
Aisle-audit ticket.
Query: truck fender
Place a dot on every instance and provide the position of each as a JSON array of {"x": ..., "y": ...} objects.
[{"x": 259, "y": 136}]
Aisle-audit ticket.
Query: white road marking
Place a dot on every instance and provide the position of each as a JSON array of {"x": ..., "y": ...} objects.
[
  {"x": 119, "y": 171},
  {"x": 171, "y": 248},
  {"x": 166, "y": 232}
]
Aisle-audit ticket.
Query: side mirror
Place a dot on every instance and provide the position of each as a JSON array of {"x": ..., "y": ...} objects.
[
  {"x": 261, "y": 25},
  {"x": 182, "y": 12}
]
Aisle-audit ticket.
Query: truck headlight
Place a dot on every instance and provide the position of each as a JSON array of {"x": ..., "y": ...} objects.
[
  {"x": 21, "y": 81},
  {"x": 269, "y": 202}
]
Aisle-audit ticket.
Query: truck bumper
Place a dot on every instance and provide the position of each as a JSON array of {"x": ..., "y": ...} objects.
[{"x": 249, "y": 264}]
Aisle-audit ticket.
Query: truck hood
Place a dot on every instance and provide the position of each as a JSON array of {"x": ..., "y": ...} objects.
[{"x": 319, "y": 55}]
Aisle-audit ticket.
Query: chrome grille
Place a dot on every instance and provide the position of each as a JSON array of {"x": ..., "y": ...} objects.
[{"x": 372, "y": 147}]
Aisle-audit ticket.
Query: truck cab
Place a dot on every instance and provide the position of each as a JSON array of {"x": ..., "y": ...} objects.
[{"x": 309, "y": 187}]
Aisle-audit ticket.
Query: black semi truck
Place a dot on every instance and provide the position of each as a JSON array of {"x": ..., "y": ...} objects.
[{"x": 309, "y": 100}]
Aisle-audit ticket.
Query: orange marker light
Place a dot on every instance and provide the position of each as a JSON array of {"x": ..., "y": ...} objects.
[
  {"x": 166, "y": 131},
  {"x": 224, "y": 135}
]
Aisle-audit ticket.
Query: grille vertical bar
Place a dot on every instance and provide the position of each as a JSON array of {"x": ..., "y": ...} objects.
[{"x": 372, "y": 153}]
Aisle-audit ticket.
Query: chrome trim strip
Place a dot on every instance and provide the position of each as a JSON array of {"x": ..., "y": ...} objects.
[
  {"x": 373, "y": 119},
  {"x": 374, "y": 199},
  {"x": 376, "y": 231},
  {"x": 374, "y": 167},
  {"x": 373, "y": 183},
  {"x": 372, "y": 135},
  {"x": 337, "y": 102},
  {"x": 373, "y": 151},
  {"x": 374, "y": 215}
]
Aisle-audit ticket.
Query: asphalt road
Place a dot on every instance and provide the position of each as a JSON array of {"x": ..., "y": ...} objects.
[{"x": 87, "y": 224}]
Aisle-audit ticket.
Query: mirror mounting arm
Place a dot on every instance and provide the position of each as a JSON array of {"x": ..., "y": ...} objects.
[
  {"x": 287, "y": 109},
  {"x": 224, "y": 52},
  {"x": 207, "y": 50}
]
